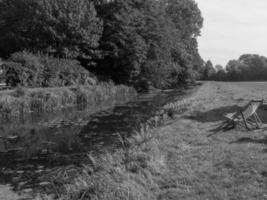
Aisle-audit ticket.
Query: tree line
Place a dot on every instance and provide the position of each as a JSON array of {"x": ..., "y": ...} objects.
[
  {"x": 135, "y": 42},
  {"x": 248, "y": 67}
]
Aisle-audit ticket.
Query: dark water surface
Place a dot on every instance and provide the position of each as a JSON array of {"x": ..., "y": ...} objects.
[{"x": 42, "y": 143}]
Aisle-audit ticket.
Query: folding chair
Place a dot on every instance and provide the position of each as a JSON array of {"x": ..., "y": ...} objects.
[{"x": 247, "y": 116}]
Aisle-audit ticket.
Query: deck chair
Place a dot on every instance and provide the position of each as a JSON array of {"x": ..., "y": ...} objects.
[{"x": 247, "y": 116}]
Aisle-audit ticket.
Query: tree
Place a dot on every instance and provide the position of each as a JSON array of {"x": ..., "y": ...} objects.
[
  {"x": 209, "y": 70},
  {"x": 248, "y": 67},
  {"x": 220, "y": 74},
  {"x": 186, "y": 16},
  {"x": 123, "y": 48},
  {"x": 219, "y": 68},
  {"x": 128, "y": 41},
  {"x": 62, "y": 28},
  {"x": 188, "y": 22}
]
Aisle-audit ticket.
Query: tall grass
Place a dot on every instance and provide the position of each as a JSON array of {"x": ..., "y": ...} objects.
[
  {"x": 135, "y": 172},
  {"x": 23, "y": 101},
  {"x": 129, "y": 173},
  {"x": 180, "y": 106}
]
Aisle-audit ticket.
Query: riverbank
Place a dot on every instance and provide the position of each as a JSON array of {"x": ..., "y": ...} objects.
[
  {"x": 22, "y": 101},
  {"x": 189, "y": 158},
  {"x": 186, "y": 158}
]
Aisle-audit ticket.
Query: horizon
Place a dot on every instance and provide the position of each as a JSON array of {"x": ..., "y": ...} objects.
[{"x": 232, "y": 28}]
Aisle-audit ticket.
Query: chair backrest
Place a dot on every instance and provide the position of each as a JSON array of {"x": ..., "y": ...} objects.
[{"x": 251, "y": 108}]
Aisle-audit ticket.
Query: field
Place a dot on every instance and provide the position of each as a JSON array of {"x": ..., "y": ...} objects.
[
  {"x": 262, "y": 86},
  {"x": 189, "y": 158}
]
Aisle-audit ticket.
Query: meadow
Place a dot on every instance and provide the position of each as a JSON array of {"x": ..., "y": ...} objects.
[{"x": 262, "y": 86}]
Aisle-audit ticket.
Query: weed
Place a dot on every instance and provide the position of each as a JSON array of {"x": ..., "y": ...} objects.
[{"x": 53, "y": 99}]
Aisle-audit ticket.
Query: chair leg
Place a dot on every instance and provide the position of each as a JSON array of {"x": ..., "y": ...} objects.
[
  {"x": 256, "y": 121},
  {"x": 258, "y": 118},
  {"x": 245, "y": 121}
]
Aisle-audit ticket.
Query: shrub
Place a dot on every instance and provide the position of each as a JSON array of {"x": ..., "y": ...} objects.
[
  {"x": 64, "y": 72},
  {"x": 32, "y": 67},
  {"x": 13, "y": 73},
  {"x": 37, "y": 70}
]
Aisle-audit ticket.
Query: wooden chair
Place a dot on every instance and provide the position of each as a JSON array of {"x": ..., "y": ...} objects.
[{"x": 247, "y": 116}]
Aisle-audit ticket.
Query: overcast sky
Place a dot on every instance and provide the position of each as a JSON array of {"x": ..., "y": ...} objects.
[{"x": 232, "y": 28}]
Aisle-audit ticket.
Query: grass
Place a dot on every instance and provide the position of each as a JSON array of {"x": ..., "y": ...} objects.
[
  {"x": 252, "y": 85},
  {"x": 184, "y": 159},
  {"x": 22, "y": 101},
  {"x": 126, "y": 174}
]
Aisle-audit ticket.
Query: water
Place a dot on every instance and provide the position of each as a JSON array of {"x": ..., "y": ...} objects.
[{"x": 42, "y": 143}]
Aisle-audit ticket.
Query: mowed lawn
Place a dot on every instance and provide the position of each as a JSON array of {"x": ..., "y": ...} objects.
[{"x": 206, "y": 162}]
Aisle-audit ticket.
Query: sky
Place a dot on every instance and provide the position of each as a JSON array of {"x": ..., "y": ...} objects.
[{"x": 232, "y": 28}]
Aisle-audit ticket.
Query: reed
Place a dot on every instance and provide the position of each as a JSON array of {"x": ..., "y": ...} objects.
[
  {"x": 23, "y": 101},
  {"x": 131, "y": 172}
]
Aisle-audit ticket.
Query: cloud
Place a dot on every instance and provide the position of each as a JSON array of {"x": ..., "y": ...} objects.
[{"x": 232, "y": 28}]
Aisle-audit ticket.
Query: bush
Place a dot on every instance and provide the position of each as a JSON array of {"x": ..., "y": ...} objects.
[
  {"x": 38, "y": 70},
  {"x": 32, "y": 67},
  {"x": 13, "y": 73}
]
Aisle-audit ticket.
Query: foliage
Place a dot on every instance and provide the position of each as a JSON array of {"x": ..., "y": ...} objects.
[
  {"x": 37, "y": 70},
  {"x": 143, "y": 40},
  {"x": 68, "y": 29},
  {"x": 136, "y": 42},
  {"x": 13, "y": 74},
  {"x": 249, "y": 67},
  {"x": 208, "y": 71}
]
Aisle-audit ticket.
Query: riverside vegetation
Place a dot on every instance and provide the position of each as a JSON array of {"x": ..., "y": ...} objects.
[
  {"x": 142, "y": 44},
  {"x": 21, "y": 101},
  {"x": 130, "y": 172}
]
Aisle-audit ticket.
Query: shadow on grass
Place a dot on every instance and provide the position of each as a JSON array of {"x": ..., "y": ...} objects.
[
  {"x": 217, "y": 115},
  {"x": 213, "y": 115},
  {"x": 246, "y": 140},
  {"x": 250, "y": 140}
]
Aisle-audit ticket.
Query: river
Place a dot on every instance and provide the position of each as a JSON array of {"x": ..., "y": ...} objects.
[{"x": 41, "y": 143}]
